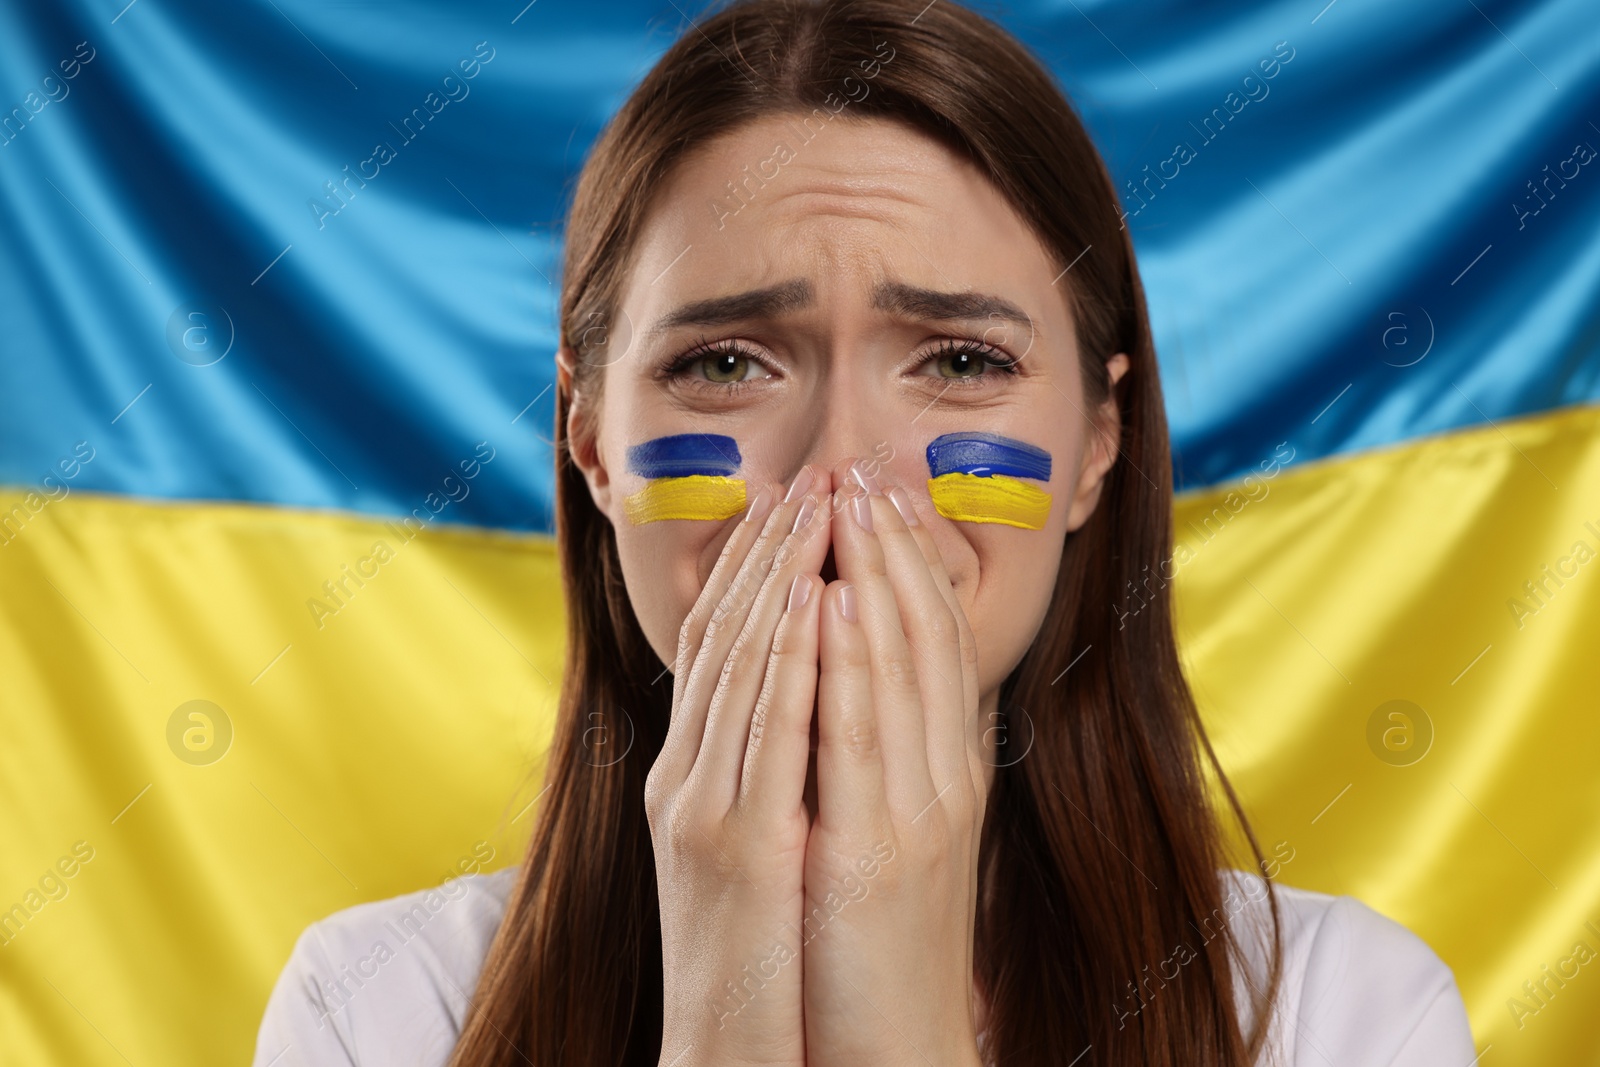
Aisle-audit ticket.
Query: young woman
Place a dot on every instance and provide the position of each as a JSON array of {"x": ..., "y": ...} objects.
[{"x": 860, "y": 436}]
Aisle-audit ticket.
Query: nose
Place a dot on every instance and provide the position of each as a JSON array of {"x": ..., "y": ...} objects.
[{"x": 848, "y": 418}]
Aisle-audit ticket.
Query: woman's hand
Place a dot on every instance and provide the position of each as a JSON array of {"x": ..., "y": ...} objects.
[
  {"x": 891, "y": 865},
  {"x": 725, "y": 796}
]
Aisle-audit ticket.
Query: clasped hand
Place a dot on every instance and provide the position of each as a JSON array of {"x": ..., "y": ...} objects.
[{"x": 843, "y": 936}]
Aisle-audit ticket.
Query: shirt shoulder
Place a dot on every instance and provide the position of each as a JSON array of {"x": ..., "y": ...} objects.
[
  {"x": 1357, "y": 987},
  {"x": 388, "y": 981}
]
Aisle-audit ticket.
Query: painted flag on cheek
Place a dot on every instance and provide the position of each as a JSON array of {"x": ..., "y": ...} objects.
[
  {"x": 984, "y": 477},
  {"x": 689, "y": 478}
]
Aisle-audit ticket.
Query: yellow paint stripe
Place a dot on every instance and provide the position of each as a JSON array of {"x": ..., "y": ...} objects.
[
  {"x": 696, "y": 496},
  {"x": 996, "y": 499}
]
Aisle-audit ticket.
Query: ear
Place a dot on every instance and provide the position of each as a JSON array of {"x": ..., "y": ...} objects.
[
  {"x": 583, "y": 431},
  {"x": 1105, "y": 430}
]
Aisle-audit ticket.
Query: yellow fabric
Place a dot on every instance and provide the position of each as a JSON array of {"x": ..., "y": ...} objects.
[
  {"x": 370, "y": 759},
  {"x": 1349, "y": 584},
  {"x": 406, "y": 720}
]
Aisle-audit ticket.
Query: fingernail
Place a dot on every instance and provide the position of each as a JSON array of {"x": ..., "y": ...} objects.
[
  {"x": 802, "y": 482},
  {"x": 799, "y": 592},
  {"x": 807, "y": 506},
  {"x": 902, "y": 503},
  {"x": 847, "y": 602},
  {"x": 759, "y": 506},
  {"x": 863, "y": 479},
  {"x": 863, "y": 506}
]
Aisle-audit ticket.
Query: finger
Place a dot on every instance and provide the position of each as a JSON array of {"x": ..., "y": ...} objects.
[
  {"x": 905, "y": 504},
  {"x": 779, "y": 746},
  {"x": 895, "y": 693},
  {"x": 718, "y": 767},
  {"x": 677, "y": 751},
  {"x": 933, "y": 637},
  {"x": 748, "y": 549},
  {"x": 850, "y": 776},
  {"x": 746, "y": 533}
]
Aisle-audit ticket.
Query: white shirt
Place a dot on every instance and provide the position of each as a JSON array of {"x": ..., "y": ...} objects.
[{"x": 388, "y": 982}]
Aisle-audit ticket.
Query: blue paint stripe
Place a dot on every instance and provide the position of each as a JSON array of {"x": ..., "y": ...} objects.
[
  {"x": 685, "y": 454},
  {"x": 985, "y": 454}
]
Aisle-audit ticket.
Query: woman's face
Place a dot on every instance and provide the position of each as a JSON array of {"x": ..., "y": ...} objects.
[{"x": 857, "y": 297}]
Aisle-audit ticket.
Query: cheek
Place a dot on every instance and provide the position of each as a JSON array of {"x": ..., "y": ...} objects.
[
  {"x": 1004, "y": 574},
  {"x": 677, "y": 500},
  {"x": 1004, "y": 578},
  {"x": 664, "y": 566}
]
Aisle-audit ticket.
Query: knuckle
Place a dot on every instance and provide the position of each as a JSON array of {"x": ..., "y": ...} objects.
[
  {"x": 747, "y": 636},
  {"x": 969, "y": 650},
  {"x": 900, "y": 671},
  {"x": 731, "y": 665},
  {"x": 689, "y": 635},
  {"x": 860, "y": 739},
  {"x": 784, "y": 640},
  {"x": 758, "y": 720},
  {"x": 657, "y": 795},
  {"x": 942, "y": 630},
  {"x": 658, "y": 816},
  {"x": 682, "y": 831},
  {"x": 716, "y": 625},
  {"x": 738, "y": 597},
  {"x": 786, "y": 551}
]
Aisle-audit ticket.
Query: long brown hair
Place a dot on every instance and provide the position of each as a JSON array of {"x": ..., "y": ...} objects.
[{"x": 1101, "y": 851}]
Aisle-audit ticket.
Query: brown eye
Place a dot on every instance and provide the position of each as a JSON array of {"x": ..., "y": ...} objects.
[
  {"x": 959, "y": 359},
  {"x": 726, "y": 362},
  {"x": 962, "y": 364},
  {"x": 728, "y": 365},
  {"x": 725, "y": 367}
]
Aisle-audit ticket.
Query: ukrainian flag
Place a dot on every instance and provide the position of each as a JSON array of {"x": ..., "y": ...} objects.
[
  {"x": 687, "y": 476},
  {"x": 978, "y": 477},
  {"x": 281, "y": 623}
]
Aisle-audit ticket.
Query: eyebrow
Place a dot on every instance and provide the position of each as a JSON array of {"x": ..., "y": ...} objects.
[
  {"x": 765, "y": 303},
  {"x": 898, "y": 298},
  {"x": 914, "y": 302}
]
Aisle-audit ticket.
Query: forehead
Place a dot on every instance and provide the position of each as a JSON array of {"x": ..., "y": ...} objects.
[{"x": 862, "y": 203}]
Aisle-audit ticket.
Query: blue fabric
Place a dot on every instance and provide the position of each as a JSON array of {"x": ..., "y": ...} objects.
[{"x": 1349, "y": 254}]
